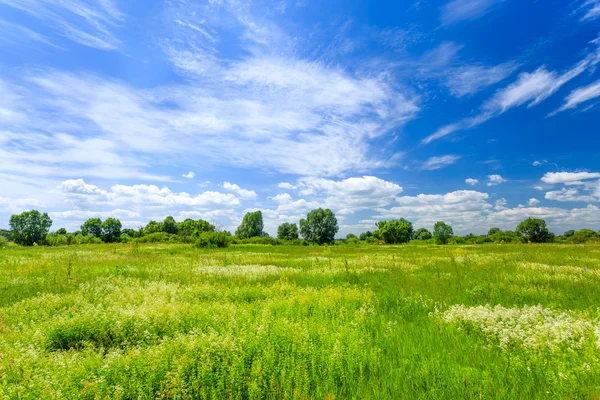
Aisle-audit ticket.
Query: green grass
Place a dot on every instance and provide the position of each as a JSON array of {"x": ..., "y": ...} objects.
[{"x": 262, "y": 322}]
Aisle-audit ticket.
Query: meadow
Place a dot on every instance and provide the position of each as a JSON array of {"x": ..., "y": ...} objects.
[{"x": 170, "y": 321}]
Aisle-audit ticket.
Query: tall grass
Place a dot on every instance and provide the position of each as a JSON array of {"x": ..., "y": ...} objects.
[{"x": 254, "y": 322}]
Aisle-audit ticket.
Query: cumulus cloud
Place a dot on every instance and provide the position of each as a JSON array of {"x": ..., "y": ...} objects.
[
  {"x": 189, "y": 175},
  {"x": 568, "y": 195},
  {"x": 568, "y": 177},
  {"x": 533, "y": 202},
  {"x": 287, "y": 185},
  {"x": 471, "y": 181},
  {"x": 243, "y": 193},
  {"x": 282, "y": 198},
  {"x": 495, "y": 180}
]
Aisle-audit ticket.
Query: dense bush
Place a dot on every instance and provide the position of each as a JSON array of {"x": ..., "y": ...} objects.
[
  {"x": 396, "y": 231},
  {"x": 157, "y": 237},
  {"x": 3, "y": 242},
  {"x": 213, "y": 240}
]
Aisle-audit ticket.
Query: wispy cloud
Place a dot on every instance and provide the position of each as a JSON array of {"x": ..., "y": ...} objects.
[
  {"x": 189, "y": 175},
  {"x": 80, "y": 21},
  {"x": 530, "y": 88},
  {"x": 580, "y": 95},
  {"x": 461, "y": 10},
  {"x": 439, "y": 162},
  {"x": 470, "y": 79},
  {"x": 592, "y": 10}
]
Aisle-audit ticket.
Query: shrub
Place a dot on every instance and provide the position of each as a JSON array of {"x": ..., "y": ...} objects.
[
  {"x": 157, "y": 237},
  {"x": 213, "y": 240},
  {"x": 3, "y": 242}
]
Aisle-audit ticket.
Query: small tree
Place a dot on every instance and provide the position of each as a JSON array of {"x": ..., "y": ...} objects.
[
  {"x": 320, "y": 226},
  {"x": 92, "y": 227},
  {"x": 111, "y": 230},
  {"x": 287, "y": 231},
  {"x": 252, "y": 225},
  {"x": 422, "y": 234},
  {"x": 396, "y": 231},
  {"x": 493, "y": 230},
  {"x": 153, "y": 227},
  {"x": 534, "y": 230},
  {"x": 366, "y": 235},
  {"x": 569, "y": 233},
  {"x": 29, "y": 227},
  {"x": 442, "y": 232},
  {"x": 584, "y": 235},
  {"x": 169, "y": 225},
  {"x": 61, "y": 231}
]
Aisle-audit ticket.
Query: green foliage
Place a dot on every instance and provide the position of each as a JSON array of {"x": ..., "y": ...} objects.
[
  {"x": 584, "y": 235},
  {"x": 157, "y": 237},
  {"x": 252, "y": 225},
  {"x": 493, "y": 231},
  {"x": 569, "y": 233},
  {"x": 111, "y": 230},
  {"x": 320, "y": 226},
  {"x": 170, "y": 226},
  {"x": 287, "y": 231},
  {"x": 506, "y": 237},
  {"x": 93, "y": 227},
  {"x": 153, "y": 227},
  {"x": 3, "y": 242},
  {"x": 395, "y": 231},
  {"x": 534, "y": 230},
  {"x": 29, "y": 227},
  {"x": 213, "y": 240},
  {"x": 442, "y": 232},
  {"x": 61, "y": 231},
  {"x": 422, "y": 234},
  {"x": 366, "y": 235}
]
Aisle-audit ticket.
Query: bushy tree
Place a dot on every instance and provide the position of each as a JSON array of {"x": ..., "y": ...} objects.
[
  {"x": 213, "y": 239},
  {"x": 442, "y": 232},
  {"x": 29, "y": 227},
  {"x": 351, "y": 236},
  {"x": 111, "y": 230},
  {"x": 153, "y": 227},
  {"x": 366, "y": 235},
  {"x": 395, "y": 231},
  {"x": 505, "y": 237},
  {"x": 422, "y": 234},
  {"x": 61, "y": 231},
  {"x": 169, "y": 225},
  {"x": 569, "y": 233},
  {"x": 534, "y": 230},
  {"x": 252, "y": 225},
  {"x": 92, "y": 227},
  {"x": 584, "y": 235},
  {"x": 493, "y": 230},
  {"x": 320, "y": 226},
  {"x": 287, "y": 231}
]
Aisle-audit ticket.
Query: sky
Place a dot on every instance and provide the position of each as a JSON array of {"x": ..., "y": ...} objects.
[{"x": 479, "y": 113}]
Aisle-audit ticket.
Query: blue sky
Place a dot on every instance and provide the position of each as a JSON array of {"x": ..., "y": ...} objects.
[{"x": 477, "y": 112}]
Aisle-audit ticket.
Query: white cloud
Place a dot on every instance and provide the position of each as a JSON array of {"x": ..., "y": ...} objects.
[
  {"x": 439, "y": 162},
  {"x": 529, "y": 88},
  {"x": 287, "y": 185},
  {"x": 282, "y": 198},
  {"x": 568, "y": 195},
  {"x": 461, "y": 10},
  {"x": 86, "y": 23},
  {"x": 243, "y": 193},
  {"x": 580, "y": 95},
  {"x": 189, "y": 175},
  {"x": 538, "y": 163},
  {"x": 533, "y": 202},
  {"x": 471, "y": 181},
  {"x": 468, "y": 80},
  {"x": 495, "y": 180},
  {"x": 568, "y": 177},
  {"x": 592, "y": 11}
]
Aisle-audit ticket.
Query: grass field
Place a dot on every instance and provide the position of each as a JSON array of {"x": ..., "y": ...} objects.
[{"x": 255, "y": 322}]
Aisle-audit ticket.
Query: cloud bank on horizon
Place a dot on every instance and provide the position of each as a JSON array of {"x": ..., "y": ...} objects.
[{"x": 210, "y": 109}]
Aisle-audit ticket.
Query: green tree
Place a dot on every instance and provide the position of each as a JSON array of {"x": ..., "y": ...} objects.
[
  {"x": 287, "y": 231},
  {"x": 153, "y": 227},
  {"x": 29, "y": 227},
  {"x": 493, "y": 230},
  {"x": 320, "y": 226},
  {"x": 584, "y": 235},
  {"x": 396, "y": 231},
  {"x": 505, "y": 237},
  {"x": 169, "y": 225},
  {"x": 61, "y": 231},
  {"x": 111, "y": 230},
  {"x": 92, "y": 227},
  {"x": 366, "y": 235},
  {"x": 442, "y": 232},
  {"x": 422, "y": 234},
  {"x": 534, "y": 230},
  {"x": 351, "y": 236},
  {"x": 252, "y": 225},
  {"x": 569, "y": 233}
]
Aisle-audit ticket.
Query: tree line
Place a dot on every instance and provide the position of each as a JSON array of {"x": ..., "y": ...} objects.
[{"x": 319, "y": 227}]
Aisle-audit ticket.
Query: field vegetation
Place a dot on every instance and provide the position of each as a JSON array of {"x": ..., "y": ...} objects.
[{"x": 159, "y": 320}]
